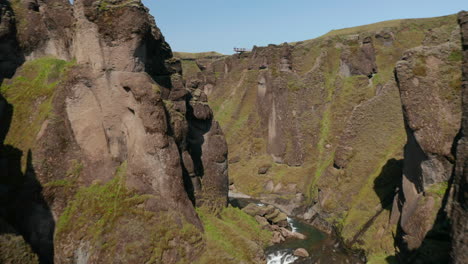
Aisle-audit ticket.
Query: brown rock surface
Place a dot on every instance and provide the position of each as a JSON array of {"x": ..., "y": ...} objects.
[
  {"x": 122, "y": 119},
  {"x": 301, "y": 252},
  {"x": 10, "y": 54},
  {"x": 432, "y": 107},
  {"x": 327, "y": 113},
  {"x": 459, "y": 212}
]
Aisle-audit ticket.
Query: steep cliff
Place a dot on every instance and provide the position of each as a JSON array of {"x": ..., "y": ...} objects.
[
  {"x": 459, "y": 212},
  {"x": 319, "y": 127},
  {"x": 429, "y": 79},
  {"x": 105, "y": 152}
]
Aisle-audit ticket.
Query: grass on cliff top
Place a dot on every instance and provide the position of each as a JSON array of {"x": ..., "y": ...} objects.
[
  {"x": 31, "y": 92},
  {"x": 396, "y": 23},
  {"x": 232, "y": 237},
  {"x": 198, "y": 55},
  {"x": 113, "y": 221},
  {"x": 190, "y": 69}
]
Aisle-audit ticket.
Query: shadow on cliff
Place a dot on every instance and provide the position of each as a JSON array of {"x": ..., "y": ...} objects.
[
  {"x": 22, "y": 204},
  {"x": 388, "y": 183},
  {"x": 386, "y": 186},
  {"x": 11, "y": 55},
  {"x": 195, "y": 140},
  {"x": 436, "y": 245}
]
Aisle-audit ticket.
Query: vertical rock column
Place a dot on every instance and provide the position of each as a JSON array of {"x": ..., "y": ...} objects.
[{"x": 460, "y": 204}]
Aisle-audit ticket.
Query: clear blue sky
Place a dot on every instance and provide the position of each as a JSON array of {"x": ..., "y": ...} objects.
[{"x": 220, "y": 25}]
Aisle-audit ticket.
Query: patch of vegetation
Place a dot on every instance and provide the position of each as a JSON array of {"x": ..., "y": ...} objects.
[
  {"x": 114, "y": 222},
  {"x": 296, "y": 85},
  {"x": 106, "y": 5},
  {"x": 455, "y": 56},
  {"x": 232, "y": 237},
  {"x": 382, "y": 259},
  {"x": 328, "y": 106},
  {"x": 31, "y": 92},
  {"x": 13, "y": 249},
  {"x": 190, "y": 68},
  {"x": 438, "y": 189},
  {"x": 199, "y": 55},
  {"x": 420, "y": 68}
]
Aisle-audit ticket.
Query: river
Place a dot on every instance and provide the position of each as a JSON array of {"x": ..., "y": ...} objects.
[{"x": 322, "y": 248}]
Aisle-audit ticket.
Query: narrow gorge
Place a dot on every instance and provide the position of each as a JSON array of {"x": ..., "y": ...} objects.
[{"x": 115, "y": 149}]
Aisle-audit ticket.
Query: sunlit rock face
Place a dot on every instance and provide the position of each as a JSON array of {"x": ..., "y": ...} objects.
[
  {"x": 355, "y": 129},
  {"x": 114, "y": 136},
  {"x": 459, "y": 208}
]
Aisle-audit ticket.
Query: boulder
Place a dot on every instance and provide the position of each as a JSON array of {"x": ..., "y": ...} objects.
[
  {"x": 252, "y": 209},
  {"x": 269, "y": 209},
  {"x": 262, "y": 221},
  {"x": 278, "y": 188},
  {"x": 289, "y": 234},
  {"x": 278, "y": 217},
  {"x": 298, "y": 235},
  {"x": 269, "y": 186},
  {"x": 264, "y": 169},
  {"x": 301, "y": 252},
  {"x": 272, "y": 215},
  {"x": 277, "y": 238}
]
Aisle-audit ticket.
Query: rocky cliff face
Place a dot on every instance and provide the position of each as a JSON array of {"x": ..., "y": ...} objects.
[
  {"x": 103, "y": 157},
  {"x": 336, "y": 130},
  {"x": 429, "y": 79},
  {"x": 459, "y": 207}
]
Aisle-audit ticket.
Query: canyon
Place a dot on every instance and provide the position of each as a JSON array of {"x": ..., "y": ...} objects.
[{"x": 114, "y": 149}]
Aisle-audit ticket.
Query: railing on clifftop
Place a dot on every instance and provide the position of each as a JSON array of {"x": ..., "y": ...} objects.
[{"x": 240, "y": 50}]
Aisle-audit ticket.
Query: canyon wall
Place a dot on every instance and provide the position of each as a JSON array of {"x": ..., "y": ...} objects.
[
  {"x": 459, "y": 208},
  {"x": 354, "y": 129},
  {"x": 105, "y": 153}
]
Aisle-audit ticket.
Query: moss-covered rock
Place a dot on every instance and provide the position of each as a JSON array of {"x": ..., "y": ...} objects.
[
  {"x": 110, "y": 223},
  {"x": 233, "y": 237},
  {"x": 13, "y": 247},
  {"x": 326, "y": 114}
]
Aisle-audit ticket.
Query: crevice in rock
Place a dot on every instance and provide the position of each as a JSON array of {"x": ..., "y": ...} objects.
[
  {"x": 11, "y": 55},
  {"x": 23, "y": 205}
]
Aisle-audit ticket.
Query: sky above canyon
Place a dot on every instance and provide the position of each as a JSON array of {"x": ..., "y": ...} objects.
[{"x": 220, "y": 25}]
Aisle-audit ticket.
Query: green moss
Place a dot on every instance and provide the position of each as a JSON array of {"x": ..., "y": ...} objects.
[
  {"x": 60, "y": 183},
  {"x": 332, "y": 111},
  {"x": 382, "y": 259},
  {"x": 109, "y": 217},
  {"x": 13, "y": 249},
  {"x": 438, "y": 189},
  {"x": 31, "y": 92},
  {"x": 75, "y": 169},
  {"x": 156, "y": 88},
  {"x": 455, "y": 56},
  {"x": 420, "y": 68},
  {"x": 229, "y": 236},
  {"x": 200, "y": 55},
  {"x": 190, "y": 68},
  {"x": 106, "y": 5},
  {"x": 295, "y": 85}
]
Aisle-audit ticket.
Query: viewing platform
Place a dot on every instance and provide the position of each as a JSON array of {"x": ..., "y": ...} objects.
[{"x": 240, "y": 50}]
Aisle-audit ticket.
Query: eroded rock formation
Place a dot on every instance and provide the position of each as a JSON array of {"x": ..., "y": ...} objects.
[
  {"x": 428, "y": 79},
  {"x": 459, "y": 208},
  {"x": 357, "y": 128},
  {"x": 117, "y": 139}
]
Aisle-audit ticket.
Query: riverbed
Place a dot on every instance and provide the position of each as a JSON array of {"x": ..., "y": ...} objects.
[{"x": 322, "y": 248}]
